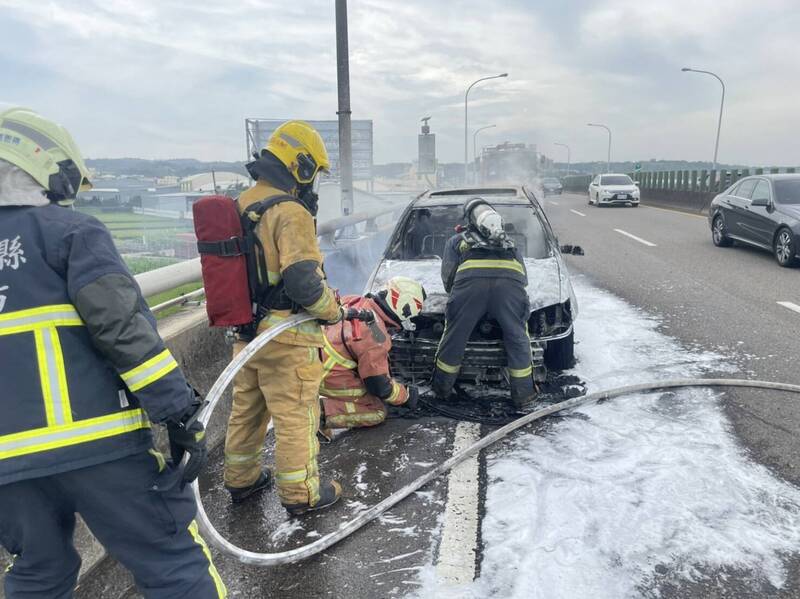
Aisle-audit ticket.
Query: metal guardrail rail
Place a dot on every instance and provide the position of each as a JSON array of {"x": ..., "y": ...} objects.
[{"x": 173, "y": 276}]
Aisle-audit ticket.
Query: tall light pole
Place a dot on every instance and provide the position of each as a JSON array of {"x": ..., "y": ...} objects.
[
  {"x": 475, "y": 140},
  {"x": 466, "y": 121},
  {"x": 608, "y": 159},
  {"x": 343, "y": 79},
  {"x": 555, "y": 143},
  {"x": 721, "y": 105}
]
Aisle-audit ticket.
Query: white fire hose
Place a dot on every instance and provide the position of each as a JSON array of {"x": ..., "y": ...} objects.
[{"x": 294, "y": 555}]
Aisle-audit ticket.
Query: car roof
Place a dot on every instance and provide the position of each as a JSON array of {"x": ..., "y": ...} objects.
[
  {"x": 506, "y": 194},
  {"x": 614, "y": 175},
  {"x": 773, "y": 176}
]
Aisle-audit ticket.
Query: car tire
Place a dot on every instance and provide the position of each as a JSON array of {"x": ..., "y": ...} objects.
[
  {"x": 784, "y": 247},
  {"x": 560, "y": 354},
  {"x": 718, "y": 233}
]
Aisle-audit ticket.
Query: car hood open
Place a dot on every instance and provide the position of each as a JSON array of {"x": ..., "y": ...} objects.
[{"x": 548, "y": 282}]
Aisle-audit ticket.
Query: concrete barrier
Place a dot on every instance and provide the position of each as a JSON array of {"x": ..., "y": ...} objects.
[
  {"x": 688, "y": 201},
  {"x": 202, "y": 353}
]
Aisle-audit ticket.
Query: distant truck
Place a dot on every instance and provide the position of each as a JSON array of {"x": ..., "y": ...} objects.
[{"x": 509, "y": 163}]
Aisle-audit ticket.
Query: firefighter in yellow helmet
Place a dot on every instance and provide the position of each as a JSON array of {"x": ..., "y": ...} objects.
[
  {"x": 281, "y": 381},
  {"x": 84, "y": 376}
]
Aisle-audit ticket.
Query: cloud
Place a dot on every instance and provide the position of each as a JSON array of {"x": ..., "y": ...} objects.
[{"x": 177, "y": 78}]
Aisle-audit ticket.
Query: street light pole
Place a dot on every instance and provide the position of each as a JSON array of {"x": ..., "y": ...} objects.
[
  {"x": 466, "y": 121},
  {"x": 555, "y": 143},
  {"x": 343, "y": 79},
  {"x": 475, "y": 141},
  {"x": 721, "y": 105},
  {"x": 608, "y": 159}
]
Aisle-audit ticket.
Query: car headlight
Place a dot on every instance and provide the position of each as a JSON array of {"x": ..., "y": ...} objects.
[{"x": 606, "y": 193}]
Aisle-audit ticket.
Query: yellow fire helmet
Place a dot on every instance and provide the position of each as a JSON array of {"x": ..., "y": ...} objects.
[
  {"x": 45, "y": 150},
  {"x": 300, "y": 148},
  {"x": 404, "y": 297}
]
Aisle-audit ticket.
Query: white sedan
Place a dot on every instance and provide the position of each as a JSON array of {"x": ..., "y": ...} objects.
[{"x": 612, "y": 189}]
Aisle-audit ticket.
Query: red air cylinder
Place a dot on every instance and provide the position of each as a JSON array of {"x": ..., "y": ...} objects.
[{"x": 221, "y": 242}]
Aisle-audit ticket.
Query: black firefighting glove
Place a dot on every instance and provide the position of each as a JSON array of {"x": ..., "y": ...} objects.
[{"x": 188, "y": 436}]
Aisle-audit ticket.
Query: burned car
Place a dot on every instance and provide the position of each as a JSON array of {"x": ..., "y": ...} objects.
[{"x": 415, "y": 250}]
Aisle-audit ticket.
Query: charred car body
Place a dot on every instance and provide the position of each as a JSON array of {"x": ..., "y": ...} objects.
[{"x": 415, "y": 250}]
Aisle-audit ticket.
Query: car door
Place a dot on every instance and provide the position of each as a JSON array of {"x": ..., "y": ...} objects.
[
  {"x": 593, "y": 186},
  {"x": 757, "y": 221},
  {"x": 734, "y": 212}
]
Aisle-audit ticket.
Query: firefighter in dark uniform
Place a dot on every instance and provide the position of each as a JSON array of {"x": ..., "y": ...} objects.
[
  {"x": 84, "y": 374},
  {"x": 485, "y": 276}
]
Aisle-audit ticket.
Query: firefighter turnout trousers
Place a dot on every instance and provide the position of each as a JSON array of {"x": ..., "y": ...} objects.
[
  {"x": 152, "y": 533},
  {"x": 502, "y": 299},
  {"x": 280, "y": 382}
]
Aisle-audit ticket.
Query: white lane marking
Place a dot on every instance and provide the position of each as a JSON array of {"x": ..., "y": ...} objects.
[
  {"x": 456, "y": 561},
  {"x": 790, "y": 305},
  {"x": 639, "y": 239},
  {"x": 553, "y": 203},
  {"x": 576, "y": 212}
]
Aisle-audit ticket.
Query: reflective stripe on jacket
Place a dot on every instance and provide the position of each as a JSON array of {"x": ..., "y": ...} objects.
[
  {"x": 463, "y": 262},
  {"x": 81, "y": 363}
]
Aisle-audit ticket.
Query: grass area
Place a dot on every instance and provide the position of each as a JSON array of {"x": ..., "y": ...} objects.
[
  {"x": 140, "y": 264},
  {"x": 129, "y": 222},
  {"x": 168, "y": 295}
]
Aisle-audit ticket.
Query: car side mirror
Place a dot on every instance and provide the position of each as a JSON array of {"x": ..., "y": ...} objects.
[
  {"x": 636, "y": 183},
  {"x": 575, "y": 250},
  {"x": 760, "y": 202}
]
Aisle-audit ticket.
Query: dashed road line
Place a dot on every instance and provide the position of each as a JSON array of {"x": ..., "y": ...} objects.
[
  {"x": 576, "y": 212},
  {"x": 639, "y": 239},
  {"x": 553, "y": 203},
  {"x": 457, "y": 550},
  {"x": 790, "y": 306}
]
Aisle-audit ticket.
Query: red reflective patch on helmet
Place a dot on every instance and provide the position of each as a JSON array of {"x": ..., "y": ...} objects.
[
  {"x": 419, "y": 304},
  {"x": 395, "y": 297}
]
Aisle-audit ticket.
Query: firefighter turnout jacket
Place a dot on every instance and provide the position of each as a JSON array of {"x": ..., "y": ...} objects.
[
  {"x": 83, "y": 368},
  {"x": 462, "y": 260},
  {"x": 357, "y": 380},
  {"x": 294, "y": 261}
]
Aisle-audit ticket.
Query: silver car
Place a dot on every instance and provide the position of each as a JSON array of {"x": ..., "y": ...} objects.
[{"x": 415, "y": 250}]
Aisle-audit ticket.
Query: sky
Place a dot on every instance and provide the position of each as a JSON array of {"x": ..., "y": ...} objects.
[{"x": 177, "y": 78}]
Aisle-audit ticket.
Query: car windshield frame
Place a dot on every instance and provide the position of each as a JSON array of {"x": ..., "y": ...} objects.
[
  {"x": 618, "y": 180},
  {"x": 551, "y": 180},
  {"x": 405, "y": 245},
  {"x": 779, "y": 188}
]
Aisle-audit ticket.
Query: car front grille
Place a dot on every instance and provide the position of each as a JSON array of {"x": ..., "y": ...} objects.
[{"x": 484, "y": 361}]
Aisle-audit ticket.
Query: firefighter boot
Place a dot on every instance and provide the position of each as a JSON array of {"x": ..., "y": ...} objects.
[
  {"x": 239, "y": 494},
  {"x": 329, "y": 493},
  {"x": 523, "y": 393}
]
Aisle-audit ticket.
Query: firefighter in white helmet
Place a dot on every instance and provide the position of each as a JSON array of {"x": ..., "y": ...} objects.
[
  {"x": 485, "y": 275},
  {"x": 358, "y": 384}
]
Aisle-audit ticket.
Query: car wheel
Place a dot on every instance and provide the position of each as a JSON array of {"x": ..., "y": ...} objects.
[
  {"x": 784, "y": 247},
  {"x": 718, "y": 233},
  {"x": 560, "y": 354}
]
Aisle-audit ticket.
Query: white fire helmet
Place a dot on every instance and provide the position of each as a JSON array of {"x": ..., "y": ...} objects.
[
  {"x": 404, "y": 297},
  {"x": 486, "y": 220}
]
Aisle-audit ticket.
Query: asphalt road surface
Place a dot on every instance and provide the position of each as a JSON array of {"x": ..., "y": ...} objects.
[
  {"x": 732, "y": 300},
  {"x": 735, "y": 301}
]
